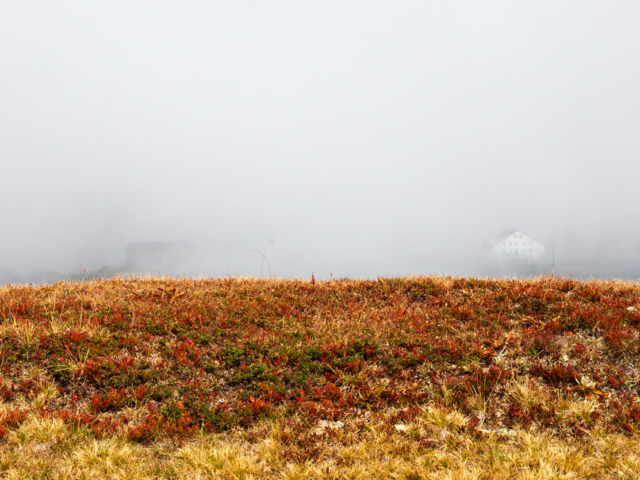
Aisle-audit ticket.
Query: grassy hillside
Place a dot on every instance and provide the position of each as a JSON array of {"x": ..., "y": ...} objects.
[{"x": 246, "y": 378}]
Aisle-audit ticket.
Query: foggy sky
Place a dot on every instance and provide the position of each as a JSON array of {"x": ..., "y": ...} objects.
[{"x": 368, "y": 137}]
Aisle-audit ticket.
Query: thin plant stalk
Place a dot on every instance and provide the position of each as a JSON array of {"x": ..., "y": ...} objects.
[{"x": 264, "y": 259}]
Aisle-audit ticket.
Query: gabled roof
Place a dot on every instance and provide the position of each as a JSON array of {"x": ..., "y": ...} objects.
[{"x": 507, "y": 233}]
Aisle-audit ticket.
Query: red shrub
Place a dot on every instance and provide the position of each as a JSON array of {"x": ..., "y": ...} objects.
[
  {"x": 557, "y": 374},
  {"x": 626, "y": 414},
  {"x": 618, "y": 339},
  {"x": 258, "y": 407},
  {"x": 578, "y": 350},
  {"x": 112, "y": 400},
  {"x": 7, "y": 390},
  {"x": 12, "y": 418},
  {"x": 149, "y": 429}
]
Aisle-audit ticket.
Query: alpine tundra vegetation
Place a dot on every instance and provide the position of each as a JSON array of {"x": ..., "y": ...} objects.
[{"x": 421, "y": 377}]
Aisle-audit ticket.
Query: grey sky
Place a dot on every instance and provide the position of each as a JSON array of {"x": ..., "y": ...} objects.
[{"x": 370, "y": 138}]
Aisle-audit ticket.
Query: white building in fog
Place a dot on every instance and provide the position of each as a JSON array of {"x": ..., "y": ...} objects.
[{"x": 513, "y": 246}]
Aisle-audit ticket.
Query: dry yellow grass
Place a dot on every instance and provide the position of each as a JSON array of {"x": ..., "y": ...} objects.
[{"x": 45, "y": 448}]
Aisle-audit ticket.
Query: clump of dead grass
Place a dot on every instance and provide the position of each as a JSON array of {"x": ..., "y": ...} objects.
[{"x": 45, "y": 448}]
